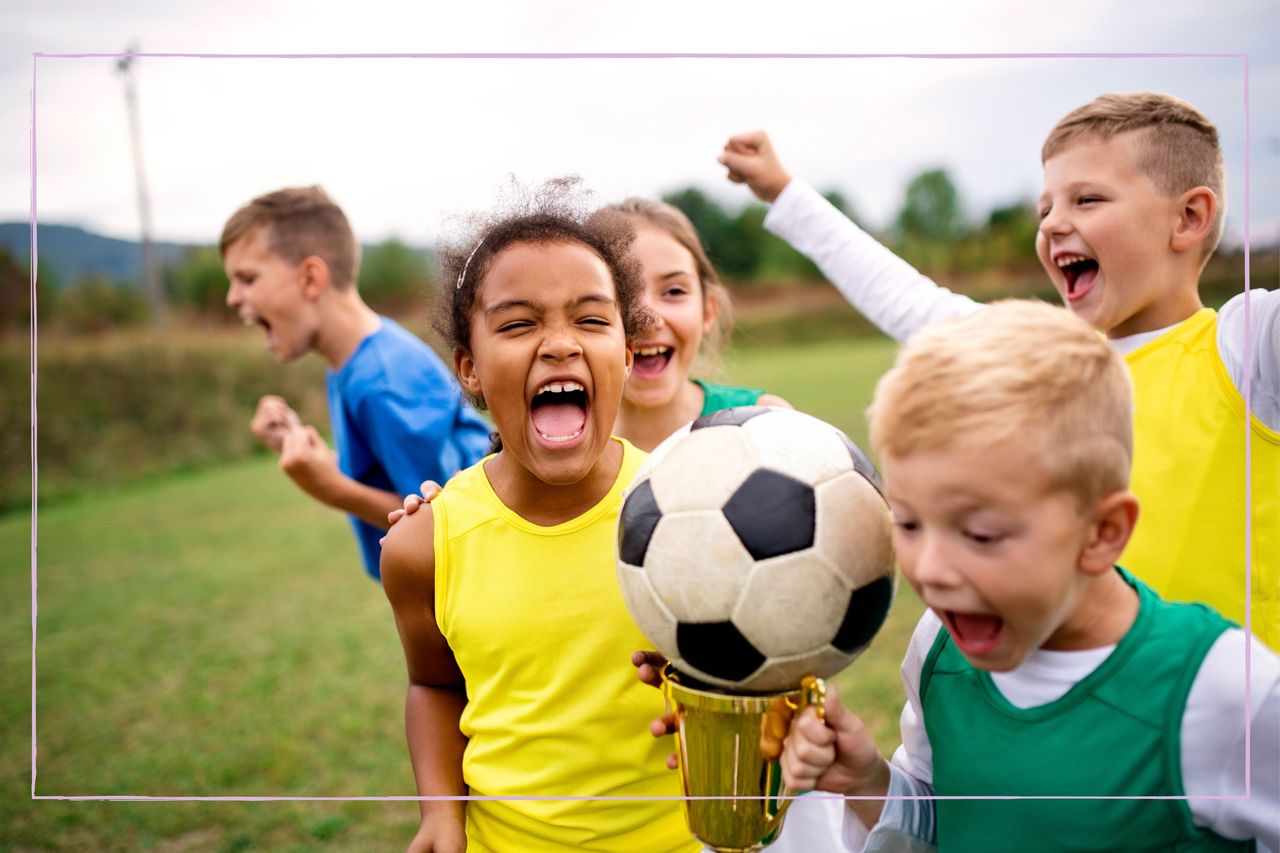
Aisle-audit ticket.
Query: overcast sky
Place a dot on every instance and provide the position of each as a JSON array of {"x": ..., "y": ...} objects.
[{"x": 404, "y": 143}]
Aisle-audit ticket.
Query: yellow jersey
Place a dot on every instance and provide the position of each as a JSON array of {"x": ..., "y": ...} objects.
[
  {"x": 536, "y": 621},
  {"x": 1189, "y": 474}
]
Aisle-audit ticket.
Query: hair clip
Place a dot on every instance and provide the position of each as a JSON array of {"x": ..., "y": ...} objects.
[{"x": 467, "y": 264}]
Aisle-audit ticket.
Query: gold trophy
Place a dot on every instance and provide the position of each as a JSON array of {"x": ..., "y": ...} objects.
[
  {"x": 732, "y": 779},
  {"x": 754, "y": 547}
]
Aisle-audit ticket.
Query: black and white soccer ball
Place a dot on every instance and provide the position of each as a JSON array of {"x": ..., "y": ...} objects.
[{"x": 754, "y": 548}]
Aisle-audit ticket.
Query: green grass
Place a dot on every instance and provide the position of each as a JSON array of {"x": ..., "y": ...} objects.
[{"x": 211, "y": 634}]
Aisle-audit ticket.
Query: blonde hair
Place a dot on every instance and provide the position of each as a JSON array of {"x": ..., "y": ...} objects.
[
  {"x": 1015, "y": 368},
  {"x": 300, "y": 222},
  {"x": 672, "y": 221},
  {"x": 1178, "y": 146}
]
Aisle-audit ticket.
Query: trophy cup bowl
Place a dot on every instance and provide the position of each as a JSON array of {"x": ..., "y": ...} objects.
[{"x": 732, "y": 779}]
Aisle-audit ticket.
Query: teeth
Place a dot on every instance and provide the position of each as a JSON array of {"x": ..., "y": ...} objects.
[
  {"x": 560, "y": 388},
  {"x": 1068, "y": 260},
  {"x": 658, "y": 350},
  {"x": 248, "y": 319},
  {"x": 560, "y": 438}
]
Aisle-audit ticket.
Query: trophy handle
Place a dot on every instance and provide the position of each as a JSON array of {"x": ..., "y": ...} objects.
[{"x": 813, "y": 692}]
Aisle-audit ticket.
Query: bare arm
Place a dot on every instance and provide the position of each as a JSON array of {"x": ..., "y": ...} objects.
[
  {"x": 313, "y": 466},
  {"x": 436, "y": 693}
]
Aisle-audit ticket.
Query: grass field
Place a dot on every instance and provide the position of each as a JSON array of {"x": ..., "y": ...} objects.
[{"x": 211, "y": 634}]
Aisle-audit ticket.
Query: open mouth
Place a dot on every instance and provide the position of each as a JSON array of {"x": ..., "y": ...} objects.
[
  {"x": 1080, "y": 274},
  {"x": 652, "y": 360},
  {"x": 249, "y": 318},
  {"x": 559, "y": 411},
  {"x": 974, "y": 633}
]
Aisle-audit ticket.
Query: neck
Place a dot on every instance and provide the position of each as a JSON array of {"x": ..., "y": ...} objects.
[
  {"x": 548, "y": 504},
  {"x": 1103, "y": 614},
  {"x": 345, "y": 322},
  {"x": 647, "y": 426},
  {"x": 1181, "y": 300}
]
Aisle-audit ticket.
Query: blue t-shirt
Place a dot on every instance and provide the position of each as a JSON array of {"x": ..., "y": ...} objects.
[{"x": 399, "y": 418}]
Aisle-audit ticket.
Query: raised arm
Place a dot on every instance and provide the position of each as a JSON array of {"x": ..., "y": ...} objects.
[
  {"x": 436, "y": 694},
  {"x": 884, "y": 288}
]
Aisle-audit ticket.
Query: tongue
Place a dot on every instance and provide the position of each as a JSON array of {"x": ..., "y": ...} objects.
[
  {"x": 1081, "y": 284},
  {"x": 558, "y": 420},
  {"x": 648, "y": 365},
  {"x": 975, "y": 628}
]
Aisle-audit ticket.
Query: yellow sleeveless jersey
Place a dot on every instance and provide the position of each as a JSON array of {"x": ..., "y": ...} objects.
[
  {"x": 536, "y": 621},
  {"x": 1189, "y": 474}
]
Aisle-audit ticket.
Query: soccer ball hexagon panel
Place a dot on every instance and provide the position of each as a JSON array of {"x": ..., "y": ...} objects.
[{"x": 754, "y": 548}]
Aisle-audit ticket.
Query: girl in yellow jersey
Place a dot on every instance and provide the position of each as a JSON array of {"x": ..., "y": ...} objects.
[{"x": 504, "y": 594}]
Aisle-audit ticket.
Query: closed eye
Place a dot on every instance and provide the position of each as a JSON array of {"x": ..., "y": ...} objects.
[
  {"x": 982, "y": 538},
  {"x": 595, "y": 321},
  {"x": 515, "y": 325}
]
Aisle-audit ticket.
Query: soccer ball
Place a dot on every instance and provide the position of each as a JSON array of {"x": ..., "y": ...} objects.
[{"x": 754, "y": 549}]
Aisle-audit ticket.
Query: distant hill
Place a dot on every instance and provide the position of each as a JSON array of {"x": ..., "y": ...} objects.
[{"x": 74, "y": 253}]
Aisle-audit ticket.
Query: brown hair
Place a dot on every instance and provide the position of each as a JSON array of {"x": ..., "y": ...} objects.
[
  {"x": 553, "y": 213},
  {"x": 672, "y": 221},
  {"x": 300, "y": 222},
  {"x": 1178, "y": 146},
  {"x": 1015, "y": 368}
]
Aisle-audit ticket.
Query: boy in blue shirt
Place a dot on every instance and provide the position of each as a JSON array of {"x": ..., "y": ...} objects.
[{"x": 397, "y": 414}]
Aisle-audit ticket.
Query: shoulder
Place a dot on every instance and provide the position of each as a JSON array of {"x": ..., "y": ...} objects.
[
  {"x": 773, "y": 400},
  {"x": 1263, "y": 314},
  {"x": 1237, "y": 669},
  {"x": 408, "y": 558}
]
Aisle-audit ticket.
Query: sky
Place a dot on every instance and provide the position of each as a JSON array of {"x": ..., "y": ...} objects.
[{"x": 406, "y": 145}]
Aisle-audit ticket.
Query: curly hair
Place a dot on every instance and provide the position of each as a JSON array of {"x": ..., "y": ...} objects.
[{"x": 554, "y": 212}]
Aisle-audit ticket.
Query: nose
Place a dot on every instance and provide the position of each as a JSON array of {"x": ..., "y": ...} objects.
[
  {"x": 234, "y": 297},
  {"x": 930, "y": 563},
  {"x": 1054, "y": 223},
  {"x": 650, "y": 301},
  {"x": 560, "y": 344}
]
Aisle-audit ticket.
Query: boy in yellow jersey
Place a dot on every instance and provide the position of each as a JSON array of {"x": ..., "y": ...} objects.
[
  {"x": 1048, "y": 691},
  {"x": 504, "y": 593},
  {"x": 1132, "y": 208}
]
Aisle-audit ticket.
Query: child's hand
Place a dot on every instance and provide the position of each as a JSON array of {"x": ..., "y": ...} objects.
[
  {"x": 649, "y": 670},
  {"x": 751, "y": 160},
  {"x": 439, "y": 836},
  {"x": 838, "y": 755},
  {"x": 309, "y": 462},
  {"x": 272, "y": 421},
  {"x": 429, "y": 489}
]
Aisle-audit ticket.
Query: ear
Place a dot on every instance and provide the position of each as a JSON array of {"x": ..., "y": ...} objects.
[
  {"x": 710, "y": 310},
  {"x": 313, "y": 272},
  {"x": 631, "y": 357},
  {"x": 1197, "y": 209},
  {"x": 1114, "y": 518},
  {"x": 464, "y": 364}
]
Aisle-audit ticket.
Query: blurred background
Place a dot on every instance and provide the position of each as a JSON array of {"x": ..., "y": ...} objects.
[{"x": 203, "y": 628}]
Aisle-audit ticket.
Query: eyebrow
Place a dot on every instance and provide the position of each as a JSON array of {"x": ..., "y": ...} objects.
[{"x": 508, "y": 304}]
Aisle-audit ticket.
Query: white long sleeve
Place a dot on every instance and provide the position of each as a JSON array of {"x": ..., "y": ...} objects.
[{"x": 887, "y": 290}]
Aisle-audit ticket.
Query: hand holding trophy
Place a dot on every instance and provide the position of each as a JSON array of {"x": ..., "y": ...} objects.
[{"x": 754, "y": 551}]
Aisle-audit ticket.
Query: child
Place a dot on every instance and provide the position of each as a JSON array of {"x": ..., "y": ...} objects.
[
  {"x": 1133, "y": 204},
  {"x": 683, "y": 291},
  {"x": 398, "y": 416},
  {"x": 694, "y": 316},
  {"x": 1041, "y": 669},
  {"x": 504, "y": 593}
]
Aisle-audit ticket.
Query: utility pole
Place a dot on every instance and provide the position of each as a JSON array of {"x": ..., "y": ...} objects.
[{"x": 151, "y": 265}]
